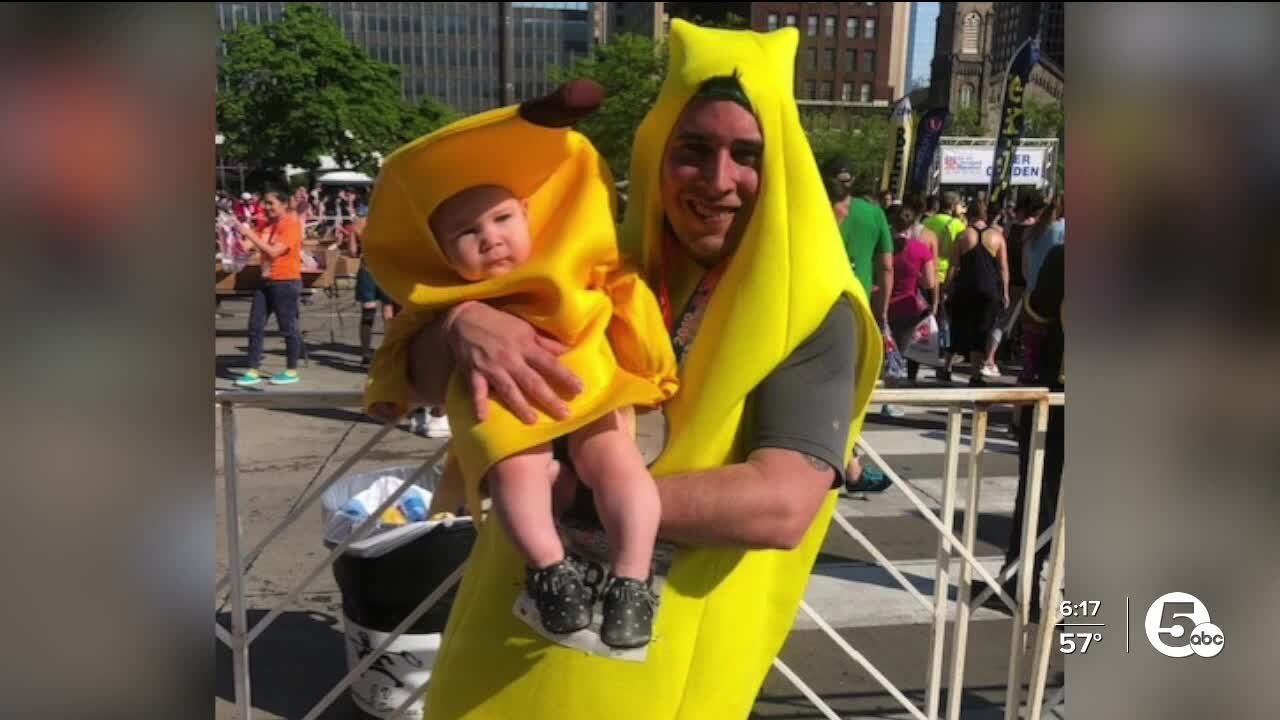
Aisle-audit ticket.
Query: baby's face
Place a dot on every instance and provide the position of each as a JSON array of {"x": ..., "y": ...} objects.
[{"x": 483, "y": 231}]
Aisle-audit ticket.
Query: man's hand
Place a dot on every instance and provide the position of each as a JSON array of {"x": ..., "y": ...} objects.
[{"x": 502, "y": 354}]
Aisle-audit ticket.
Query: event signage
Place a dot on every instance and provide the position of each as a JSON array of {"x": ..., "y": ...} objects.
[
  {"x": 974, "y": 165},
  {"x": 1012, "y": 118},
  {"x": 928, "y": 133},
  {"x": 895, "y": 165}
]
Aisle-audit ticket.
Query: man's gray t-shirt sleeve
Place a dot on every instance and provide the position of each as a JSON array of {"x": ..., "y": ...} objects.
[{"x": 806, "y": 404}]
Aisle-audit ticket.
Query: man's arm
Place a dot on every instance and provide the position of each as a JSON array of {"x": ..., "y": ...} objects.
[
  {"x": 884, "y": 279},
  {"x": 1004, "y": 269},
  {"x": 767, "y": 502},
  {"x": 883, "y": 270},
  {"x": 798, "y": 425}
]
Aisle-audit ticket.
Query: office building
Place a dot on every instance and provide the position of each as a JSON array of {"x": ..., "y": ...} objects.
[
  {"x": 920, "y": 40},
  {"x": 1012, "y": 24},
  {"x": 648, "y": 19},
  {"x": 450, "y": 50},
  {"x": 850, "y": 53}
]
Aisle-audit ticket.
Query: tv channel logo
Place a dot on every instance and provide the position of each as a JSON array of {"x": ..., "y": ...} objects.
[{"x": 1178, "y": 625}]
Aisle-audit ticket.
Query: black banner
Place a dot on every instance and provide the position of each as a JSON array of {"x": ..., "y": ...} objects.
[
  {"x": 928, "y": 134},
  {"x": 1012, "y": 119}
]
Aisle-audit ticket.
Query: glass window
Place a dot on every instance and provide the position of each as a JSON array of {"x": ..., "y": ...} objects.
[
  {"x": 966, "y": 95},
  {"x": 811, "y": 58},
  {"x": 829, "y": 59},
  {"x": 869, "y": 61},
  {"x": 824, "y": 92},
  {"x": 969, "y": 40},
  {"x": 851, "y": 60},
  {"x": 829, "y": 26},
  {"x": 864, "y": 92},
  {"x": 773, "y": 21},
  {"x": 808, "y": 89},
  {"x": 846, "y": 91},
  {"x": 812, "y": 22},
  {"x": 869, "y": 29},
  {"x": 791, "y": 20},
  {"x": 851, "y": 28}
]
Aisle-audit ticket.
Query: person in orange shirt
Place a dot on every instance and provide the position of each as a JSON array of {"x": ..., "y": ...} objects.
[{"x": 280, "y": 243}]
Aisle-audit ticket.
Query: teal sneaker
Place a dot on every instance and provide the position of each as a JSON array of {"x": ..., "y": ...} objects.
[
  {"x": 250, "y": 377},
  {"x": 288, "y": 377}
]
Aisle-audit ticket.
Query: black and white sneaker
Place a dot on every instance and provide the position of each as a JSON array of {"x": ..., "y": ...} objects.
[
  {"x": 564, "y": 601},
  {"x": 628, "y": 613}
]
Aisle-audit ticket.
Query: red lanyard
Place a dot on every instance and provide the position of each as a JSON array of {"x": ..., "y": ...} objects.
[{"x": 683, "y": 332}]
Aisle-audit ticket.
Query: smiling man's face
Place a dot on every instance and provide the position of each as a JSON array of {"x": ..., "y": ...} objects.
[{"x": 711, "y": 177}]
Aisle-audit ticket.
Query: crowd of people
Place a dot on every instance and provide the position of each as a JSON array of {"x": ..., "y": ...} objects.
[
  {"x": 954, "y": 262},
  {"x": 321, "y": 210},
  {"x": 991, "y": 280},
  {"x": 273, "y": 225}
]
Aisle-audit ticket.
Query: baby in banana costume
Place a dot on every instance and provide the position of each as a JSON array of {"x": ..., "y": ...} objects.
[{"x": 513, "y": 208}]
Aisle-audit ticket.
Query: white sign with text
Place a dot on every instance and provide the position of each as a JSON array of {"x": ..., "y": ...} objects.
[{"x": 972, "y": 165}]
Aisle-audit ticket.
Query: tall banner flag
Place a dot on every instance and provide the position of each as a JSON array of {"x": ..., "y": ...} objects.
[
  {"x": 895, "y": 165},
  {"x": 928, "y": 135},
  {"x": 1012, "y": 119}
]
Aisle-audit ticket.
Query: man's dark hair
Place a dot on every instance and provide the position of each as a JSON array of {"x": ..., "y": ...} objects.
[
  {"x": 1030, "y": 202},
  {"x": 836, "y": 190},
  {"x": 724, "y": 87},
  {"x": 933, "y": 205},
  {"x": 901, "y": 217}
]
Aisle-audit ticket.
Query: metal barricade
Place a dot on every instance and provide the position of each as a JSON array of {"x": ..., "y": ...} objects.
[{"x": 976, "y": 401}]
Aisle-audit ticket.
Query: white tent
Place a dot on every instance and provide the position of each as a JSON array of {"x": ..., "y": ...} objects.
[{"x": 345, "y": 177}]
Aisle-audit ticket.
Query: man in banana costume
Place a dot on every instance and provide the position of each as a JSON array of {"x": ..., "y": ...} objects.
[{"x": 778, "y": 354}]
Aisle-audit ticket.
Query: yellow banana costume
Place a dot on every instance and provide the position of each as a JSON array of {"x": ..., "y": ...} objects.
[
  {"x": 724, "y": 613},
  {"x": 572, "y": 287}
]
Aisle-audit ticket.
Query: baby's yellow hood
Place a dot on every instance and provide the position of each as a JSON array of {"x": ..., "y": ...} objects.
[{"x": 528, "y": 149}]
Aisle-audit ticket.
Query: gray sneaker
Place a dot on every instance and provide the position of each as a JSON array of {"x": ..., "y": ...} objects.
[
  {"x": 564, "y": 601},
  {"x": 628, "y": 613}
]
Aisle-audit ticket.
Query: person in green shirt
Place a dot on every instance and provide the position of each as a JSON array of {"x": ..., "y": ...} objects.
[
  {"x": 946, "y": 225},
  {"x": 869, "y": 245}
]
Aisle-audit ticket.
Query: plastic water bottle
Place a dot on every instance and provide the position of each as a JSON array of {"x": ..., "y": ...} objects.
[
  {"x": 354, "y": 509},
  {"x": 414, "y": 509}
]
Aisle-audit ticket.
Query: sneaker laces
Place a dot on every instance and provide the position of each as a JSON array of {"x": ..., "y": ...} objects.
[
  {"x": 632, "y": 591},
  {"x": 555, "y": 579}
]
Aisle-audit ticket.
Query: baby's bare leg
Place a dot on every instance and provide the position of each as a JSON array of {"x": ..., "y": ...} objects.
[
  {"x": 608, "y": 461},
  {"x": 521, "y": 490}
]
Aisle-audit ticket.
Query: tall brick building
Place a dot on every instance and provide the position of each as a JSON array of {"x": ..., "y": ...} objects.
[{"x": 849, "y": 52}]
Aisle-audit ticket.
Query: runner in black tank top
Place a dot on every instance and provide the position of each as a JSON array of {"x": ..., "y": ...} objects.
[{"x": 977, "y": 293}]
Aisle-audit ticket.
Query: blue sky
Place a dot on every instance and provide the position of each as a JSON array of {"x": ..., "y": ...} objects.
[{"x": 926, "y": 25}]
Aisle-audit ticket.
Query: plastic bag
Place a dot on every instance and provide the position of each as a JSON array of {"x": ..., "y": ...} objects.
[
  {"x": 895, "y": 365},
  {"x": 352, "y": 499},
  {"x": 923, "y": 345}
]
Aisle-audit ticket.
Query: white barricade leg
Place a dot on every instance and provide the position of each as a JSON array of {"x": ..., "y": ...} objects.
[
  {"x": 942, "y": 581},
  {"x": 1030, "y": 517},
  {"x": 955, "y": 689},
  {"x": 239, "y": 624},
  {"x": 1049, "y": 614}
]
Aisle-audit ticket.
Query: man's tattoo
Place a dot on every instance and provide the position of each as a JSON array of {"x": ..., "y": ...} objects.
[{"x": 816, "y": 463}]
